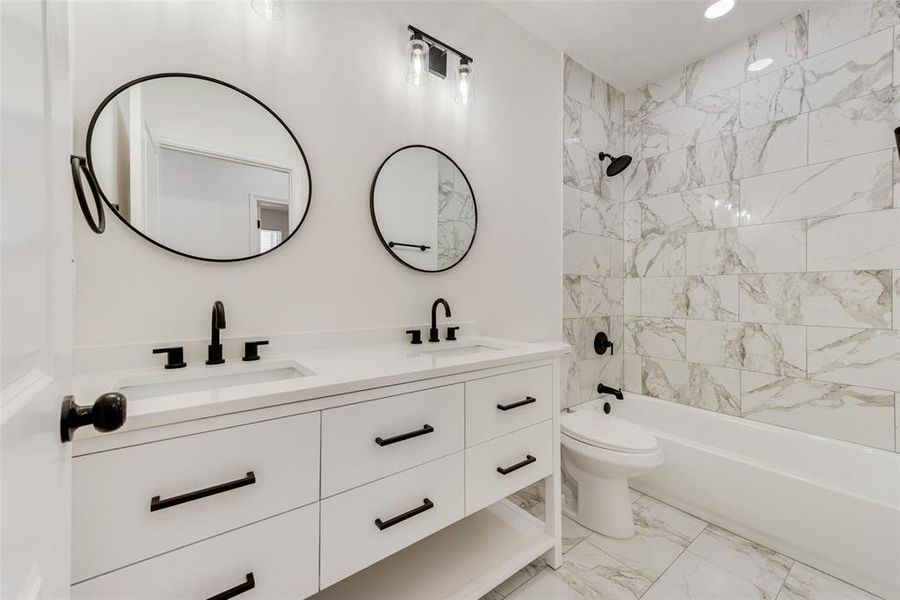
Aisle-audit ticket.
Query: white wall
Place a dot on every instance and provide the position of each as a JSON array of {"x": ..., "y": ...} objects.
[{"x": 335, "y": 73}]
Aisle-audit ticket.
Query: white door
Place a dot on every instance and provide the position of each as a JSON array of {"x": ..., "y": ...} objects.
[{"x": 36, "y": 315}]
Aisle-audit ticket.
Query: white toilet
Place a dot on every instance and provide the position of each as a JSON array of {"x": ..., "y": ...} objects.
[{"x": 600, "y": 453}]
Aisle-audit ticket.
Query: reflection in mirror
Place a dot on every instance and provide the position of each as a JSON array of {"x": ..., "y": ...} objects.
[
  {"x": 424, "y": 209},
  {"x": 199, "y": 167}
]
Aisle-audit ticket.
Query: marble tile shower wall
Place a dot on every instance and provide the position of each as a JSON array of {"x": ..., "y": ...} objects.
[
  {"x": 594, "y": 230},
  {"x": 762, "y": 228}
]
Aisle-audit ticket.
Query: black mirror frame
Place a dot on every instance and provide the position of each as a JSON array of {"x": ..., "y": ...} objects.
[
  {"x": 375, "y": 220},
  {"x": 112, "y": 207}
]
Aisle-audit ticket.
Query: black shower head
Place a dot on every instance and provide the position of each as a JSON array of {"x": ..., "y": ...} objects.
[{"x": 617, "y": 164}]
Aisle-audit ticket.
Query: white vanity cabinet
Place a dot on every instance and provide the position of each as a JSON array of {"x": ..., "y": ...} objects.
[{"x": 321, "y": 494}]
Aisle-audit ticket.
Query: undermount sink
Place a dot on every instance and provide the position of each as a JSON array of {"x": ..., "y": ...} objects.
[
  {"x": 462, "y": 350},
  {"x": 205, "y": 379}
]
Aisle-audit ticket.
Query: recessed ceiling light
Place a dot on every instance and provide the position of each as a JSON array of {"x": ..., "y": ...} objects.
[
  {"x": 760, "y": 64},
  {"x": 719, "y": 8}
]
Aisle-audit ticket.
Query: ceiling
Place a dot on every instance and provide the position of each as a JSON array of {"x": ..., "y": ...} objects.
[{"x": 632, "y": 42}]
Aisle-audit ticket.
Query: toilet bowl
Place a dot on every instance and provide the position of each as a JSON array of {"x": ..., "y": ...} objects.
[{"x": 600, "y": 453}]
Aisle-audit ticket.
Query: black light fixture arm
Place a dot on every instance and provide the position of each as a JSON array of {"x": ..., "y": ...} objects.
[
  {"x": 419, "y": 34},
  {"x": 79, "y": 169}
]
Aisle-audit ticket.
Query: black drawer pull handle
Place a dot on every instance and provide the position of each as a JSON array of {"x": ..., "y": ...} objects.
[
  {"x": 382, "y": 525},
  {"x": 404, "y": 436},
  {"x": 236, "y": 590},
  {"x": 527, "y": 400},
  {"x": 506, "y": 471},
  {"x": 157, "y": 504}
]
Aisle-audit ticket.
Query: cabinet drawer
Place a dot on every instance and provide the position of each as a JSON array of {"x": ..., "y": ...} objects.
[
  {"x": 513, "y": 453},
  {"x": 370, "y": 440},
  {"x": 504, "y": 403},
  {"x": 351, "y": 539},
  {"x": 281, "y": 553},
  {"x": 136, "y": 502}
]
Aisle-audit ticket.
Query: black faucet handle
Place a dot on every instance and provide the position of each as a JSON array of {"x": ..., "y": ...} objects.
[
  {"x": 416, "y": 336},
  {"x": 451, "y": 334},
  {"x": 602, "y": 344},
  {"x": 174, "y": 356},
  {"x": 251, "y": 349}
]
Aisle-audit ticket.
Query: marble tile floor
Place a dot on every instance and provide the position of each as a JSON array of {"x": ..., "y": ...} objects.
[{"x": 673, "y": 556}]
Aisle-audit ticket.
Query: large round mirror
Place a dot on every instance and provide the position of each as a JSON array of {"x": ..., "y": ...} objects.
[
  {"x": 199, "y": 167},
  {"x": 424, "y": 209}
]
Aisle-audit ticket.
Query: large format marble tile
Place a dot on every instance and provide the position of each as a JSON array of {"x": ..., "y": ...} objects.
[
  {"x": 712, "y": 297},
  {"x": 896, "y": 300},
  {"x": 601, "y": 216},
  {"x": 699, "y": 120},
  {"x": 571, "y": 208},
  {"x": 632, "y": 217},
  {"x": 852, "y": 70},
  {"x": 846, "y": 72},
  {"x": 632, "y": 296},
  {"x": 592, "y": 92},
  {"x": 864, "y": 357},
  {"x": 571, "y": 121},
  {"x": 714, "y": 161},
  {"x": 835, "y": 23},
  {"x": 700, "y": 386},
  {"x": 657, "y": 175},
  {"x": 806, "y": 583},
  {"x": 595, "y": 574},
  {"x": 748, "y": 560},
  {"x": 664, "y": 338},
  {"x": 601, "y": 296},
  {"x": 853, "y": 242},
  {"x": 587, "y": 254},
  {"x": 571, "y": 296},
  {"x": 655, "y": 255},
  {"x": 776, "y": 349},
  {"x": 693, "y": 578},
  {"x": 633, "y": 374},
  {"x": 849, "y": 185},
  {"x": 717, "y": 72},
  {"x": 773, "y": 147},
  {"x": 775, "y": 96},
  {"x": 838, "y": 299},
  {"x": 785, "y": 43},
  {"x": 779, "y": 349},
  {"x": 853, "y": 414},
  {"x": 661, "y": 534},
  {"x": 607, "y": 369},
  {"x": 771, "y": 248},
  {"x": 664, "y": 297},
  {"x": 656, "y": 97},
  {"x": 856, "y": 126},
  {"x": 699, "y": 209}
]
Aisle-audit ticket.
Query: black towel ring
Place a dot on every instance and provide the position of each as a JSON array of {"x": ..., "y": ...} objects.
[{"x": 78, "y": 162}]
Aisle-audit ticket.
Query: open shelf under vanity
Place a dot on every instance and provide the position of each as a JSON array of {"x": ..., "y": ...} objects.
[{"x": 465, "y": 560}]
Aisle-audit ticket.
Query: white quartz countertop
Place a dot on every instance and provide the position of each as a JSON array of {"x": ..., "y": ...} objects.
[{"x": 327, "y": 373}]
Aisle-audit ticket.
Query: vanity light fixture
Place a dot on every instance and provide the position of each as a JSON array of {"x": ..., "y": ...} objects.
[
  {"x": 270, "y": 10},
  {"x": 427, "y": 54},
  {"x": 464, "y": 82},
  {"x": 759, "y": 65},
  {"x": 718, "y": 9}
]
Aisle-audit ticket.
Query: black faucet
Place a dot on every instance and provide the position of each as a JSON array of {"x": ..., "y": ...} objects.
[
  {"x": 433, "y": 332},
  {"x": 214, "y": 357},
  {"x": 605, "y": 389}
]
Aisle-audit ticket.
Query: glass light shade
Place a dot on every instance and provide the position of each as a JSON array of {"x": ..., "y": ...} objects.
[
  {"x": 718, "y": 9},
  {"x": 417, "y": 62},
  {"x": 270, "y": 10},
  {"x": 464, "y": 83}
]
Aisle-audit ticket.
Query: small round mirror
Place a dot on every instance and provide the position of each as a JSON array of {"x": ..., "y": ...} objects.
[
  {"x": 198, "y": 167},
  {"x": 423, "y": 209}
]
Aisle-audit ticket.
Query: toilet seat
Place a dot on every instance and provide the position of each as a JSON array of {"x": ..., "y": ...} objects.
[{"x": 603, "y": 431}]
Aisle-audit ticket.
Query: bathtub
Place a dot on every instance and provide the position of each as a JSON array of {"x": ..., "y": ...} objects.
[{"x": 830, "y": 504}]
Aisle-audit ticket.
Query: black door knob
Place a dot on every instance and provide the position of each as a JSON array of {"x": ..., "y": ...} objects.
[{"x": 107, "y": 413}]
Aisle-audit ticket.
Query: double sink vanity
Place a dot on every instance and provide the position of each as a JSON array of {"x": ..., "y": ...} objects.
[
  {"x": 378, "y": 470},
  {"x": 343, "y": 465}
]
